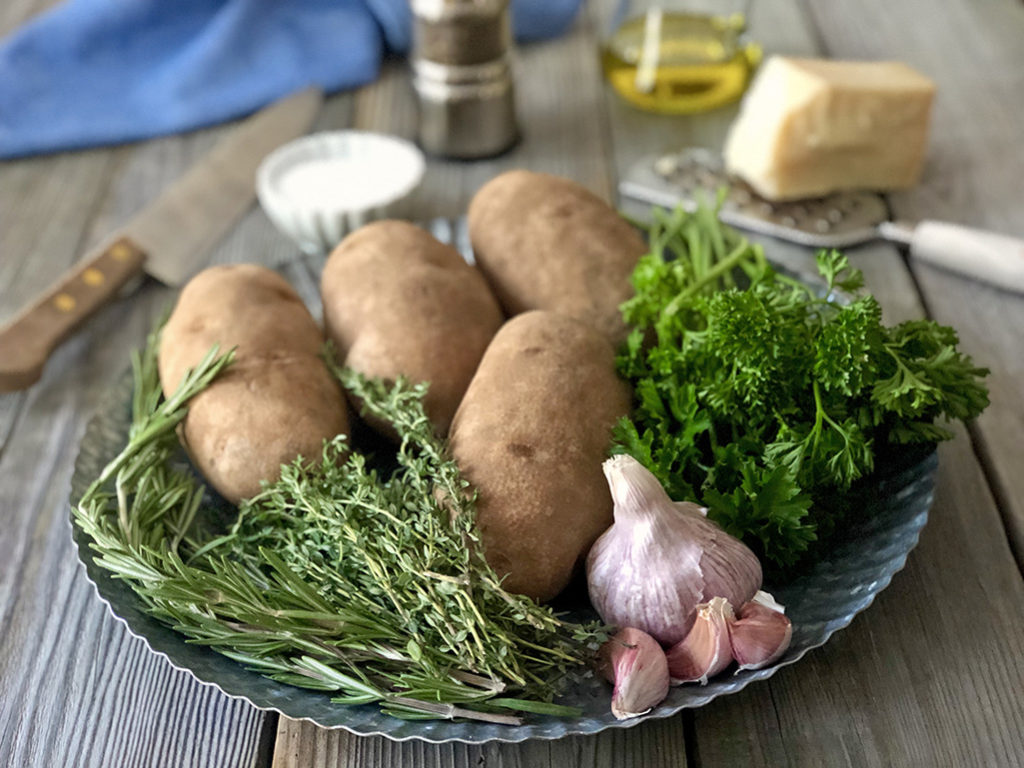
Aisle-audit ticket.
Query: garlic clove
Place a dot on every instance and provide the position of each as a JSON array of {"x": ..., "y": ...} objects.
[
  {"x": 706, "y": 650},
  {"x": 636, "y": 664},
  {"x": 764, "y": 598},
  {"x": 660, "y": 559},
  {"x": 760, "y": 634}
]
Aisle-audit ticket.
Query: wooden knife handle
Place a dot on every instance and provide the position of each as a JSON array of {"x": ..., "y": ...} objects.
[{"x": 27, "y": 341}]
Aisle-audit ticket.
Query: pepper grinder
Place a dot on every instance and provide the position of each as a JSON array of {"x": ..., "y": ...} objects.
[{"x": 462, "y": 77}]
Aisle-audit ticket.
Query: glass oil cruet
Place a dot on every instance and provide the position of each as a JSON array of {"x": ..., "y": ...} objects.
[{"x": 679, "y": 57}]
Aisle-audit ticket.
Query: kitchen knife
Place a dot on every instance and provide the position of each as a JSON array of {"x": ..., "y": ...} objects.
[{"x": 169, "y": 239}]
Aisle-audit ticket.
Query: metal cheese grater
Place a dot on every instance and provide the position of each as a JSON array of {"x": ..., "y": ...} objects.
[{"x": 839, "y": 220}]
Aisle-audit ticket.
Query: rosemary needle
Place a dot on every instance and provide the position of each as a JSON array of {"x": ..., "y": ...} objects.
[{"x": 332, "y": 578}]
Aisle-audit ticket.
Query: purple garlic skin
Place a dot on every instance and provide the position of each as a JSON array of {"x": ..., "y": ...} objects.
[
  {"x": 706, "y": 650},
  {"x": 660, "y": 559},
  {"x": 759, "y": 635},
  {"x": 634, "y": 662},
  {"x": 754, "y": 636}
]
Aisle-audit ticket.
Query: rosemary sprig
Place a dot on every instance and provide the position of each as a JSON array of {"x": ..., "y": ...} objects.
[{"x": 332, "y": 578}]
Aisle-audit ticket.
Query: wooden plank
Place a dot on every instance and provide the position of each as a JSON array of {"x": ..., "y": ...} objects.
[
  {"x": 10, "y": 406},
  {"x": 45, "y": 205},
  {"x": 913, "y": 681},
  {"x": 972, "y": 177},
  {"x": 78, "y": 690},
  {"x": 657, "y": 744},
  {"x": 16, "y": 12},
  {"x": 559, "y": 85},
  {"x": 866, "y": 698},
  {"x": 902, "y": 686},
  {"x": 825, "y": 712}
]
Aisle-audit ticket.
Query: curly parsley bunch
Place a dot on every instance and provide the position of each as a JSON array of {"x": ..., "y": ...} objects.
[{"x": 757, "y": 394}]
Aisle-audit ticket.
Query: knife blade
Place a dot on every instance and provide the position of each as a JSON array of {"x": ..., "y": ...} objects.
[{"x": 169, "y": 239}]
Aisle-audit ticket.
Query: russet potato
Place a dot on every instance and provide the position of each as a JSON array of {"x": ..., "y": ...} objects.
[
  {"x": 397, "y": 302},
  {"x": 530, "y": 436},
  {"x": 544, "y": 242},
  {"x": 276, "y": 402}
]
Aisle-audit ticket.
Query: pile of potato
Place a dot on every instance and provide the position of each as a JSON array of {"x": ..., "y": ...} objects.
[{"x": 527, "y": 402}]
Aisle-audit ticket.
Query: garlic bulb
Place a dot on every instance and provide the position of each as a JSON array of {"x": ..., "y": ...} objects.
[
  {"x": 760, "y": 633},
  {"x": 706, "y": 650},
  {"x": 635, "y": 663},
  {"x": 660, "y": 560}
]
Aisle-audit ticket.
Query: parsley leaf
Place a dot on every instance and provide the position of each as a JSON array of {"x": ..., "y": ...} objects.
[{"x": 762, "y": 398}]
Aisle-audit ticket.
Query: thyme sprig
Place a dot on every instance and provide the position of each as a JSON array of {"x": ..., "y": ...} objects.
[{"x": 334, "y": 577}]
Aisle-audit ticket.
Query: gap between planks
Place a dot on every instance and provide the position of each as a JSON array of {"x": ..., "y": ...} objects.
[{"x": 972, "y": 50}]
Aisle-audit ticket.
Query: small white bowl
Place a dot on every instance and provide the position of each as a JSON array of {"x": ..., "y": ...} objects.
[{"x": 318, "y": 188}]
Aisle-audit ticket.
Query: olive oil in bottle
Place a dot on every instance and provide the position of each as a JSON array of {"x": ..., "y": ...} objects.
[{"x": 679, "y": 63}]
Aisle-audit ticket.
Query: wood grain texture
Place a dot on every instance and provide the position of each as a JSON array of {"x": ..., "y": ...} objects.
[
  {"x": 912, "y": 682},
  {"x": 93, "y": 282},
  {"x": 658, "y": 744},
  {"x": 46, "y": 204},
  {"x": 17, "y": 12},
  {"x": 78, "y": 690},
  {"x": 558, "y": 85},
  {"x": 973, "y": 176},
  {"x": 10, "y": 407},
  {"x": 929, "y": 676}
]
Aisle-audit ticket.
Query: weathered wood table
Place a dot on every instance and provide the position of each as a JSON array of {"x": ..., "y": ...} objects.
[{"x": 931, "y": 675}]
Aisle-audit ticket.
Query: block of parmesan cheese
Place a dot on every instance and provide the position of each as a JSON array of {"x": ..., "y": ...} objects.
[{"x": 808, "y": 127}]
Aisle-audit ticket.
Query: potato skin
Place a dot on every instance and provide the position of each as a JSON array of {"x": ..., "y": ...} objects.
[
  {"x": 530, "y": 435},
  {"x": 399, "y": 302},
  {"x": 277, "y": 400},
  {"x": 544, "y": 242}
]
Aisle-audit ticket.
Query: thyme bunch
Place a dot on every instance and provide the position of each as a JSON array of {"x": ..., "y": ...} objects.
[{"x": 335, "y": 577}]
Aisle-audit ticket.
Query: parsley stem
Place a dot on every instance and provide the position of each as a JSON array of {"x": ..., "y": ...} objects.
[
  {"x": 819, "y": 414},
  {"x": 723, "y": 267}
]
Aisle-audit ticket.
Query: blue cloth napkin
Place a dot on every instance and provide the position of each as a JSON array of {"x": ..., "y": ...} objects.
[{"x": 94, "y": 72}]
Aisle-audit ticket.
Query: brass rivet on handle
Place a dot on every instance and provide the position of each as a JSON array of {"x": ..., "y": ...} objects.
[
  {"x": 92, "y": 276},
  {"x": 120, "y": 251},
  {"x": 64, "y": 302}
]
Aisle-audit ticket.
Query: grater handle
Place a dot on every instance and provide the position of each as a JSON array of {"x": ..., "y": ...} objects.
[{"x": 986, "y": 256}]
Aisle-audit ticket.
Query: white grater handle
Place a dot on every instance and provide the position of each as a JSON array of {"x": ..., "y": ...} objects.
[{"x": 987, "y": 256}]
